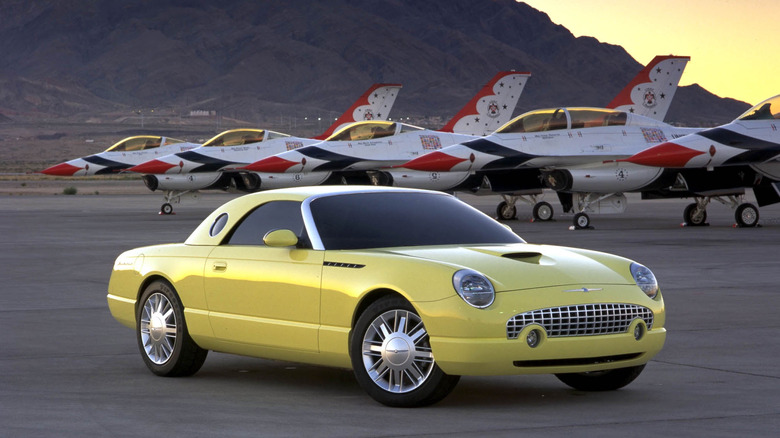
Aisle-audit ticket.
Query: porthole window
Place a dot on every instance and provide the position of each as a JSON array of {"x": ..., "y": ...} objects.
[{"x": 219, "y": 224}]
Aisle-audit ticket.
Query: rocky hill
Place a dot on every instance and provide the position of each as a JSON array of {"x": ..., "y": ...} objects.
[{"x": 261, "y": 61}]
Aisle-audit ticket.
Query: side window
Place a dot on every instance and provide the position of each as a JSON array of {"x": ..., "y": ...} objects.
[{"x": 267, "y": 217}]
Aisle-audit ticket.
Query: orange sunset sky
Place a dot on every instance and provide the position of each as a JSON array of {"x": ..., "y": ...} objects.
[{"x": 733, "y": 44}]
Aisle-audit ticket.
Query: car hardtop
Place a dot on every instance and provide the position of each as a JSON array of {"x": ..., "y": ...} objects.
[{"x": 219, "y": 223}]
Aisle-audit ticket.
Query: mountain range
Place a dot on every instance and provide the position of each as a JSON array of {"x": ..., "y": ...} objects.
[{"x": 267, "y": 61}]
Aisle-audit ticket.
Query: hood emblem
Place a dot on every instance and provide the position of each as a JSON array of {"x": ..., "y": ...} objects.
[{"x": 584, "y": 289}]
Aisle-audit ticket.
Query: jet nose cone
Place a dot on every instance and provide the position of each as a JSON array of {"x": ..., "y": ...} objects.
[
  {"x": 62, "y": 169},
  {"x": 664, "y": 155},
  {"x": 433, "y": 162},
  {"x": 155, "y": 167},
  {"x": 271, "y": 165}
]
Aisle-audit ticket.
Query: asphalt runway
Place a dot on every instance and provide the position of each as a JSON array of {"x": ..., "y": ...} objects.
[{"x": 67, "y": 369}]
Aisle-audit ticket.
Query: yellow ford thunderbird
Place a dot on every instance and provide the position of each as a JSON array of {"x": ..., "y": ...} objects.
[{"x": 409, "y": 288}]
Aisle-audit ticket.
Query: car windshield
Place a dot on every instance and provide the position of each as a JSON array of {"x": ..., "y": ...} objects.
[{"x": 393, "y": 219}]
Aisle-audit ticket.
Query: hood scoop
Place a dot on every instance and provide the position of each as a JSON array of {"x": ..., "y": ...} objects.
[{"x": 527, "y": 257}]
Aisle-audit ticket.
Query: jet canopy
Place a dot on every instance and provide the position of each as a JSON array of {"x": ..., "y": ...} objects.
[
  {"x": 141, "y": 143},
  {"x": 766, "y": 110},
  {"x": 563, "y": 118},
  {"x": 371, "y": 130},
  {"x": 238, "y": 137}
]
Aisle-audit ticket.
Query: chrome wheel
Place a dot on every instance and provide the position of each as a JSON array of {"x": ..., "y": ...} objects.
[
  {"x": 396, "y": 352},
  {"x": 161, "y": 333},
  {"x": 158, "y": 328}
]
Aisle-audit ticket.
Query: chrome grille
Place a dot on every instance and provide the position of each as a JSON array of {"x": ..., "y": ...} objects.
[{"x": 581, "y": 320}]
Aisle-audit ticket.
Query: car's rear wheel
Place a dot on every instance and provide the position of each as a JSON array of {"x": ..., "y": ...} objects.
[
  {"x": 392, "y": 357},
  {"x": 606, "y": 380},
  {"x": 165, "y": 345}
]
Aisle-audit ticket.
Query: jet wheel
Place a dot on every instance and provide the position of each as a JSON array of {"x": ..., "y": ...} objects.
[
  {"x": 746, "y": 215},
  {"x": 695, "y": 217},
  {"x": 506, "y": 212},
  {"x": 543, "y": 211},
  {"x": 581, "y": 221},
  {"x": 166, "y": 208}
]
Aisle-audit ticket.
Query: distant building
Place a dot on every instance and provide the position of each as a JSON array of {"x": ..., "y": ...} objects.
[{"x": 202, "y": 113}]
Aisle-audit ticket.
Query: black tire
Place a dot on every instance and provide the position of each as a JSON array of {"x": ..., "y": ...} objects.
[
  {"x": 746, "y": 215},
  {"x": 165, "y": 345},
  {"x": 385, "y": 355},
  {"x": 608, "y": 380},
  {"x": 505, "y": 212},
  {"x": 166, "y": 208},
  {"x": 581, "y": 221},
  {"x": 692, "y": 219},
  {"x": 543, "y": 211}
]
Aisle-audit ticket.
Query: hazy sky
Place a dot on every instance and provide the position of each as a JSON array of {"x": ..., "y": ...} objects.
[{"x": 734, "y": 45}]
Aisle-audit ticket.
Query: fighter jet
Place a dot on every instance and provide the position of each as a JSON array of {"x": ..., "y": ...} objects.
[
  {"x": 202, "y": 168},
  {"x": 719, "y": 163},
  {"x": 354, "y": 153},
  {"x": 512, "y": 160},
  {"x": 124, "y": 154}
]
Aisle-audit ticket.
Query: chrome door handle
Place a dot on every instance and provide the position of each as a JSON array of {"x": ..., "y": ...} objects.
[{"x": 219, "y": 266}]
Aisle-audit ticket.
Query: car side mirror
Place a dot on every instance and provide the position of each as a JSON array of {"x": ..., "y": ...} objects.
[{"x": 280, "y": 238}]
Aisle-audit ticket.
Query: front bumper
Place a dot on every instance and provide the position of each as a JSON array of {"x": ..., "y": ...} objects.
[
  {"x": 483, "y": 357},
  {"x": 468, "y": 341}
]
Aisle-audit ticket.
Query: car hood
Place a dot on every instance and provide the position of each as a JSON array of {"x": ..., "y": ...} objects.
[{"x": 527, "y": 266}]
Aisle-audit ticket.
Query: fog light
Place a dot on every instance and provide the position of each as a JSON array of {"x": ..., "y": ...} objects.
[
  {"x": 639, "y": 331},
  {"x": 532, "y": 338}
]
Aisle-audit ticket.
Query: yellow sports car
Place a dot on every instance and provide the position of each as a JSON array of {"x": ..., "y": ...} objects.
[{"x": 409, "y": 288}]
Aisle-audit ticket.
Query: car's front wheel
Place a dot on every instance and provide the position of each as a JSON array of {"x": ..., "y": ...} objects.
[
  {"x": 165, "y": 345},
  {"x": 606, "y": 380},
  {"x": 392, "y": 357}
]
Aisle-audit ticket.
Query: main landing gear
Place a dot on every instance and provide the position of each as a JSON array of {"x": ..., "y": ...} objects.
[
  {"x": 507, "y": 209},
  {"x": 745, "y": 213}
]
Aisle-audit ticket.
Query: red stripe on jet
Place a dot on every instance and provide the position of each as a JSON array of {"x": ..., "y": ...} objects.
[
  {"x": 154, "y": 167},
  {"x": 433, "y": 162},
  {"x": 664, "y": 155},
  {"x": 270, "y": 165},
  {"x": 62, "y": 169}
]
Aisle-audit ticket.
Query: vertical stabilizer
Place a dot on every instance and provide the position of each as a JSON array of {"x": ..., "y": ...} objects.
[
  {"x": 650, "y": 93},
  {"x": 374, "y": 104},
  {"x": 492, "y": 107}
]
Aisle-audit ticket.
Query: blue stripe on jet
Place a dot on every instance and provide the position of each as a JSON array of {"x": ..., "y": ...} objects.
[
  {"x": 333, "y": 160},
  {"x": 207, "y": 164},
  {"x": 510, "y": 157},
  {"x": 109, "y": 166},
  {"x": 756, "y": 150}
]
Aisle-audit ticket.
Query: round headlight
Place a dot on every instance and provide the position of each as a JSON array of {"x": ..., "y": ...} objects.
[
  {"x": 644, "y": 279},
  {"x": 474, "y": 288}
]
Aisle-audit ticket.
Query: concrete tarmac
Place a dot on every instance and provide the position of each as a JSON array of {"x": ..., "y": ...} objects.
[{"x": 67, "y": 369}]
